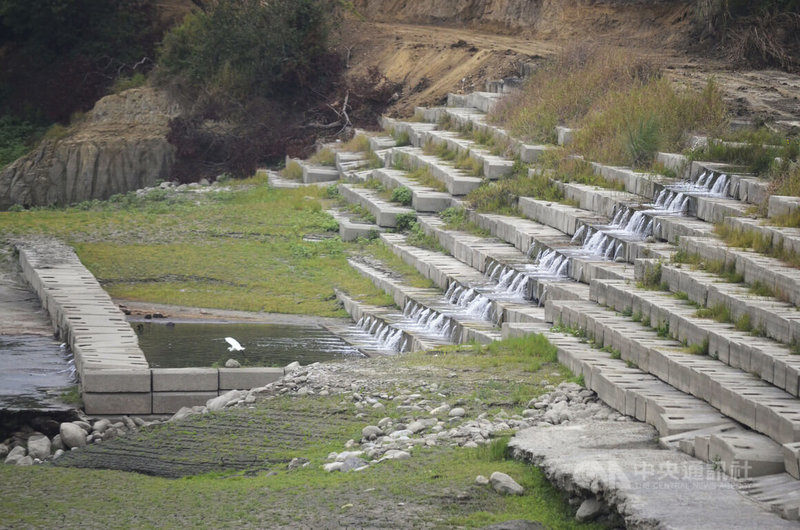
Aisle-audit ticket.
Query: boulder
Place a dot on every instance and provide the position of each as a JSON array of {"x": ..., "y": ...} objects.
[
  {"x": 589, "y": 510},
  {"x": 100, "y": 426},
  {"x": 3, "y": 450},
  {"x": 505, "y": 485},
  {"x": 16, "y": 454},
  {"x": 220, "y": 402},
  {"x": 72, "y": 435},
  {"x": 39, "y": 446},
  {"x": 25, "y": 461},
  {"x": 371, "y": 432},
  {"x": 232, "y": 363}
]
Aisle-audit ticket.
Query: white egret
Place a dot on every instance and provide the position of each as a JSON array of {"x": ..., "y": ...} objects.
[{"x": 235, "y": 346}]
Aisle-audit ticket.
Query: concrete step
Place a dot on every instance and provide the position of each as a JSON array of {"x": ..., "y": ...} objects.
[
  {"x": 429, "y": 307},
  {"x": 415, "y": 131},
  {"x": 465, "y": 285},
  {"x": 472, "y": 119},
  {"x": 523, "y": 275},
  {"x": 736, "y": 394},
  {"x": 772, "y": 361},
  {"x": 423, "y": 199},
  {"x": 353, "y": 229},
  {"x": 456, "y": 181},
  {"x": 494, "y": 167},
  {"x": 385, "y": 213},
  {"x": 777, "y": 236},
  {"x": 754, "y": 267},
  {"x": 625, "y": 388}
]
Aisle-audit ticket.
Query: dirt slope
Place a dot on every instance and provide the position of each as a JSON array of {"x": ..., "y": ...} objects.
[{"x": 459, "y": 54}]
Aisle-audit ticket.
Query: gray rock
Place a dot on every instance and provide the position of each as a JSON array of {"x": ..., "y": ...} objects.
[
  {"x": 505, "y": 485},
  {"x": 16, "y": 454},
  {"x": 139, "y": 421},
  {"x": 58, "y": 454},
  {"x": 101, "y": 426},
  {"x": 353, "y": 463},
  {"x": 56, "y": 443},
  {"x": 457, "y": 412},
  {"x": 371, "y": 432},
  {"x": 232, "y": 363},
  {"x": 297, "y": 463},
  {"x": 394, "y": 454},
  {"x": 480, "y": 480},
  {"x": 443, "y": 409},
  {"x": 129, "y": 424},
  {"x": 39, "y": 446},
  {"x": 25, "y": 461},
  {"x": 3, "y": 450},
  {"x": 83, "y": 425},
  {"x": 182, "y": 413},
  {"x": 333, "y": 466},
  {"x": 220, "y": 402},
  {"x": 291, "y": 367},
  {"x": 589, "y": 510},
  {"x": 72, "y": 435}
]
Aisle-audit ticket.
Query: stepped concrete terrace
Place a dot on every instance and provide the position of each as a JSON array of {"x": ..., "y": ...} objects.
[
  {"x": 423, "y": 199},
  {"x": 430, "y": 309},
  {"x": 313, "y": 174},
  {"x": 457, "y": 181},
  {"x": 722, "y": 395},
  {"x": 385, "y": 213},
  {"x": 389, "y": 331},
  {"x": 115, "y": 377},
  {"x": 494, "y": 167}
]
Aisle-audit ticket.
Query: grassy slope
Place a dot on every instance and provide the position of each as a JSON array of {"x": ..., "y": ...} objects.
[{"x": 237, "y": 249}]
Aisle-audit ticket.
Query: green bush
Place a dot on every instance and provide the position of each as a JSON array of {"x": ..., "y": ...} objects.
[
  {"x": 402, "y": 195},
  {"x": 249, "y": 47},
  {"x": 406, "y": 221}
]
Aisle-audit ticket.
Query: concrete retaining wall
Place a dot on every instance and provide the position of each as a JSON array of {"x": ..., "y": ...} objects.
[{"x": 115, "y": 376}]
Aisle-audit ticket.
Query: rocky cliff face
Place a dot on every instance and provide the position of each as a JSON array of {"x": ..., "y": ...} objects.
[{"x": 121, "y": 146}]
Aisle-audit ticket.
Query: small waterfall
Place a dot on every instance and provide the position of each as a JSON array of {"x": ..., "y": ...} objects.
[
  {"x": 427, "y": 320},
  {"x": 473, "y": 302},
  {"x": 721, "y": 186},
  {"x": 578, "y": 234},
  {"x": 386, "y": 337},
  {"x": 551, "y": 263}
]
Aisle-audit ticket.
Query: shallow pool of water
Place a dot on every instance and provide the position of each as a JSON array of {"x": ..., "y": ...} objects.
[
  {"x": 183, "y": 345},
  {"x": 34, "y": 373}
]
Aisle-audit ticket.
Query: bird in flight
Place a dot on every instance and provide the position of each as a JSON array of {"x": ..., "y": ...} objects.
[{"x": 235, "y": 346}]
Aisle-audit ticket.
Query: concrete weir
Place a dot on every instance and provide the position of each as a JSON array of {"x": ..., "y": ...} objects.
[{"x": 115, "y": 377}]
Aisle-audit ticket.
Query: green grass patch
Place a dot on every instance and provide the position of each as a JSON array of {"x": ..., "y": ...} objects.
[
  {"x": 293, "y": 171},
  {"x": 418, "y": 238},
  {"x": 457, "y": 219},
  {"x": 324, "y": 157},
  {"x": 424, "y": 177},
  {"x": 402, "y": 195},
  {"x": 502, "y": 196},
  {"x": 239, "y": 249}
]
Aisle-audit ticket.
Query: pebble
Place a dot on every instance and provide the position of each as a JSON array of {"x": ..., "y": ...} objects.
[
  {"x": 457, "y": 412},
  {"x": 589, "y": 510}
]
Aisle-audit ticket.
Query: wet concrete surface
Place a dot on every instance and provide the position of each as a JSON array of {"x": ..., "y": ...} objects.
[{"x": 34, "y": 370}]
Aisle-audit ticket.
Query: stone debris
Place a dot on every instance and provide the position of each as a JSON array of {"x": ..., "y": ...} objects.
[{"x": 505, "y": 485}]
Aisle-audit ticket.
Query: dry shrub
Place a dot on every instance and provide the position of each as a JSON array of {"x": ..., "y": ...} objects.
[
  {"x": 668, "y": 115},
  {"x": 566, "y": 89},
  {"x": 770, "y": 39}
]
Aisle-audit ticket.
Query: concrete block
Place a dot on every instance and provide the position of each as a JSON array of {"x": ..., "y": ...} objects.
[
  {"x": 103, "y": 381},
  {"x": 185, "y": 379},
  {"x": 117, "y": 403},
  {"x": 247, "y": 378},
  {"x": 171, "y": 402}
]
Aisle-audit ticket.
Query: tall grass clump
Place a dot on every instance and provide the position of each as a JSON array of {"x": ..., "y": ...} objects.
[
  {"x": 623, "y": 109},
  {"x": 566, "y": 89},
  {"x": 630, "y": 126}
]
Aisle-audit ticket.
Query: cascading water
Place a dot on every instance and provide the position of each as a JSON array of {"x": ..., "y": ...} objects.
[
  {"x": 474, "y": 303},
  {"x": 386, "y": 337},
  {"x": 428, "y": 321}
]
